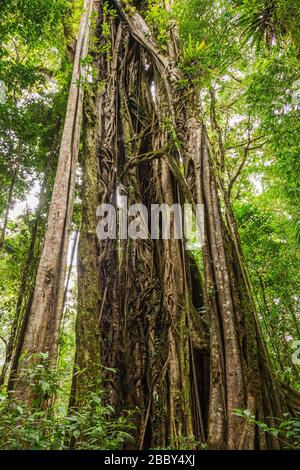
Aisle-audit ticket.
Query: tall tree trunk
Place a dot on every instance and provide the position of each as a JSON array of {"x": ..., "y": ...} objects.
[
  {"x": 143, "y": 306},
  {"x": 41, "y": 334},
  {"x": 87, "y": 371},
  {"x": 161, "y": 353},
  {"x": 28, "y": 273},
  {"x": 97, "y": 263}
]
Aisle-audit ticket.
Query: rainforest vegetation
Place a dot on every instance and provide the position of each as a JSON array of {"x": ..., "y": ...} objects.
[{"x": 140, "y": 343}]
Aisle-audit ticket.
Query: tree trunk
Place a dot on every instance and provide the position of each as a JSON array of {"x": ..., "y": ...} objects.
[
  {"x": 8, "y": 205},
  {"x": 41, "y": 334},
  {"x": 97, "y": 273},
  {"x": 241, "y": 375},
  {"x": 171, "y": 389},
  {"x": 28, "y": 273}
]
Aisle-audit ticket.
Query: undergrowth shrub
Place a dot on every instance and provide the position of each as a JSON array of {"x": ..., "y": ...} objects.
[{"x": 39, "y": 427}]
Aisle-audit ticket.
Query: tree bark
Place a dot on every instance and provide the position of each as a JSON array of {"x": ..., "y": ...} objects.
[
  {"x": 128, "y": 330},
  {"x": 87, "y": 370},
  {"x": 8, "y": 204},
  {"x": 41, "y": 334},
  {"x": 28, "y": 273}
]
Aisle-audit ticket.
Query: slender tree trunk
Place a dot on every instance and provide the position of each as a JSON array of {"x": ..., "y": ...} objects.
[
  {"x": 8, "y": 205},
  {"x": 28, "y": 273},
  {"x": 41, "y": 334}
]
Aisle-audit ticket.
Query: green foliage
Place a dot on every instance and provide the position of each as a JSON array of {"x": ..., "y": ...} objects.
[
  {"x": 159, "y": 19},
  {"x": 286, "y": 430},
  {"x": 193, "y": 57},
  {"x": 209, "y": 39},
  {"x": 94, "y": 426},
  {"x": 32, "y": 20},
  {"x": 272, "y": 256},
  {"x": 269, "y": 21},
  {"x": 32, "y": 42}
]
